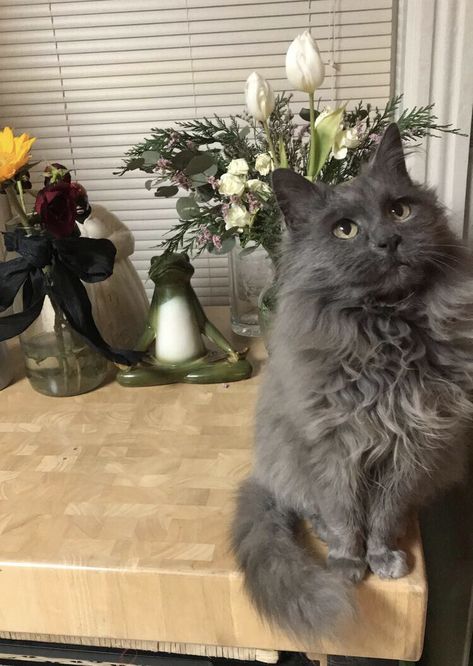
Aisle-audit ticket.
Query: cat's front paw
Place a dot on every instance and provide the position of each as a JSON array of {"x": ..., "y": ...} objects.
[
  {"x": 388, "y": 563},
  {"x": 351, "y": 568}
]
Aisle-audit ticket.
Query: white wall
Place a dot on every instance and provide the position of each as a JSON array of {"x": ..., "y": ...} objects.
[{"x": 434, "y": 64}]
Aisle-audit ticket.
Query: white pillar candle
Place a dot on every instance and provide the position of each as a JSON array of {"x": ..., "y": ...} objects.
[{"x": 178, "y": 337}]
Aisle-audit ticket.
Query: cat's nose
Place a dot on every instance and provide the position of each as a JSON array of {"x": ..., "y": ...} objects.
[{"x": 389, "y": 242}]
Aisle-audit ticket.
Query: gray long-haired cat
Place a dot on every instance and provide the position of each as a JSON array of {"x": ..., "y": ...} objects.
[{"x": 365, "y": 405}]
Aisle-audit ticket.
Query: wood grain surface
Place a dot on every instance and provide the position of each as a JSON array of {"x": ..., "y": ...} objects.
[{"x": 115, "y": 508}]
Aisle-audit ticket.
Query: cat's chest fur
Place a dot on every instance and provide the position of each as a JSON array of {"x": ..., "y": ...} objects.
[{"x": 397, "y": 387}]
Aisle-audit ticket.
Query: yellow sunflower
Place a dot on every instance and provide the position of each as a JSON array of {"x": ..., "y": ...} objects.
[{"x": 14, "y": 153}]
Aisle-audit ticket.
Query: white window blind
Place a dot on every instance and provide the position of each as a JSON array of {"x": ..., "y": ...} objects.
[{"x": 91, "y": 78}]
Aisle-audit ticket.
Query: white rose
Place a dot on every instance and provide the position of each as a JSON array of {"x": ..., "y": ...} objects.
[
  {"x": 344, "y": 139},
  {"x": 352, "y": 139},
  {"x": 238, "y": 167},
  {"x": 231, "y": 185},
  {"x": 237, "y": 216},
  {"x": 257, "y": 186},
  {"x": 264, "y": 163}
]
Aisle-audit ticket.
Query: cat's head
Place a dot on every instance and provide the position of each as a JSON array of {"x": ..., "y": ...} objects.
[{"x": 378, "y": 235}]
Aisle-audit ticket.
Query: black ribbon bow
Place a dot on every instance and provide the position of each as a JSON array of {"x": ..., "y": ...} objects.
[{"x": 70, "y": 260}]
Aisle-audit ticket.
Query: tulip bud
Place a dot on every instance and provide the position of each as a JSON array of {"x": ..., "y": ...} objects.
[
  {"x": 259, "y": 97},
  {"x": 304, "y": 67}
]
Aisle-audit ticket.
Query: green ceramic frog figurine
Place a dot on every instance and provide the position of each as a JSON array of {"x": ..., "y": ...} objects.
[{"x": 173, "y": 334}]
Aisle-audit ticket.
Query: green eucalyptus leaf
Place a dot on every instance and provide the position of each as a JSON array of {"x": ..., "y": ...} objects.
[
  {"x": 166, "y": 191},
  {"x": 187, "y": 208},
  {"x": 228, "y": 244},
  {"x": 149, "y": 184},
  {"x": 305, "y": 114},
  {"x": 200, "y": 179},
  {"x": 150, "y": 157},
  {"x": 181, "y": 160},
  {"x": 243, "y": 133},
  {"x": 199, "y": 164},
  {"x": 204, "y": 193}
]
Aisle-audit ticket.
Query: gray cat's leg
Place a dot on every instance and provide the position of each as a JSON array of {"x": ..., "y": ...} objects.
[
  {"x": 386, "y": 522},
  {"x": 343, "y": 518}
]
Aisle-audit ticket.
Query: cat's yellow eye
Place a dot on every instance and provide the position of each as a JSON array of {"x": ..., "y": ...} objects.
[
  {"x": 400, "y": 210},
  {"x": 345, "y": 229}
]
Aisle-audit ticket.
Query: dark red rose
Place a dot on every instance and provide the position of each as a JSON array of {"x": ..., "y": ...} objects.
[
  {"x": 57, "y": 173},
  {"x": 56, "y": 206},
  {"x": 82, "y": 202}
]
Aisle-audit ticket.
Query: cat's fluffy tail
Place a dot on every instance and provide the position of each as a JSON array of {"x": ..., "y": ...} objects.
[{"x": 288, "y": 586}]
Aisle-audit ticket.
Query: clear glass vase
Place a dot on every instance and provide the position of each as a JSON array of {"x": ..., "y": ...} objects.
[
  {"x": 250, "y": 270},
  {"x": 58, "y": 361},
  {"x": 6, "y": 368}
]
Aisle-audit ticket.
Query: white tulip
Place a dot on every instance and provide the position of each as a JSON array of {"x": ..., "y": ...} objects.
[
  {"x": 231, "y": 185},
  {"x": 258, "y": 187},
  {"x": 238, "y": 167},
  {"x": 304, "y": 67},
  {"x": 259, "y": 97},
  {"x": 237, "y": 216},
  {"x": 264, "y": 163}
]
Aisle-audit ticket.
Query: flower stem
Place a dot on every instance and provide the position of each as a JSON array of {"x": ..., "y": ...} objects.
[
  {"x": 20, "y": 193},
  {"x": 282, "y": 153},
  {"x": 270, "y": 144},
  {"x": 16, "y": 207},
  {"x": 312, "y": 149}
]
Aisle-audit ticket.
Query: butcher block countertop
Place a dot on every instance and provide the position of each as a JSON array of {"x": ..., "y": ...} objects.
[{"x": 115, "y": 509}]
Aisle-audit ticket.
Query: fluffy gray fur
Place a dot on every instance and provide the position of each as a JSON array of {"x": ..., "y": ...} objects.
[{"x": 365, "y": 404}]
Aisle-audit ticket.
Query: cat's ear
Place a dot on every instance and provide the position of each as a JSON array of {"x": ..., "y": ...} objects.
[
  {"x": 296, "y": 196},
  {"x": 389, "y": 155}
]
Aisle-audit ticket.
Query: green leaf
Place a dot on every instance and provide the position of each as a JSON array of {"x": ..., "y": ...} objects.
[
  {"x": 166, "y": 191},
  {"x": 199, "y": 164},
  {"x": 181, "y": 160},
  {"x": 149, "y": 184},
  {"x": 200, "y": 179},
  {"x": 305, "y": 114},
  {"x": 243, "y": 133},
  {"x": 325, "y": 133},
  {"x": 204, "y": 193},
  {"x": 150, "y": 157},
  {"x": 135, "y": 163},
  {"x": 187, "y": 208}
]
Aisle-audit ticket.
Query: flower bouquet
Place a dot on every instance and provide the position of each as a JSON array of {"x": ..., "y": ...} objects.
[
  {"x": 221, "y": 168},
  {"x": 64, "y": 351}
]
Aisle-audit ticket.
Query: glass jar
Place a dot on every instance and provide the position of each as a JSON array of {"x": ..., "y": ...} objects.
[
  {"x": 267, "y": 309},
  {"x": 58, "y": 361},
  {"x": 250, "y": 270}
]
